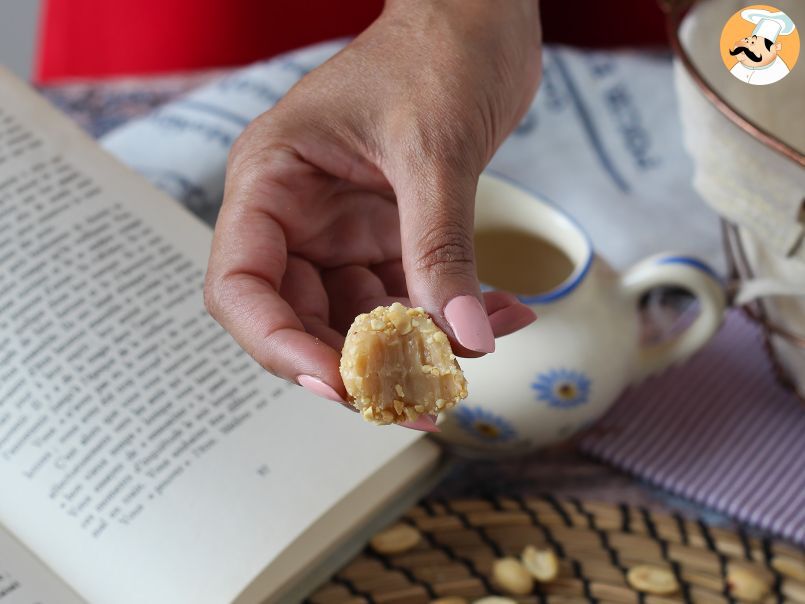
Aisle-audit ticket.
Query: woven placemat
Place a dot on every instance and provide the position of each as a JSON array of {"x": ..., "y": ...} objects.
[{"x": 596, "y": 543}]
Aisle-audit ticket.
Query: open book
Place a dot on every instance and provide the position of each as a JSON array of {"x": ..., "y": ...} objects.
[{"x": 143, "y": 456}]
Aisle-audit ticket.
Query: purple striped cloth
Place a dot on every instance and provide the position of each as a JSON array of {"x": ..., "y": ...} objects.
[{"x": 718, "y": 430}]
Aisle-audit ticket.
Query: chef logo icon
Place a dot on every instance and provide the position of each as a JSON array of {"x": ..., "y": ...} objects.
[{"x": 760, "y": 45}]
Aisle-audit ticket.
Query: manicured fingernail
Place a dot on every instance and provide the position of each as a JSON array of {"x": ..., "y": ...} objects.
[
  {"x": 510, "y": 319},
  {"x": 319, "y": 388},
  {"x": 424, "y": 423},
  {"x": 470, "y": 324}
]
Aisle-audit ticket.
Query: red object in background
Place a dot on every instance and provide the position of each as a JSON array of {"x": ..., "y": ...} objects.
[
  {"x": 90, "y": 38},
  {"x": 98, "y": 38}
]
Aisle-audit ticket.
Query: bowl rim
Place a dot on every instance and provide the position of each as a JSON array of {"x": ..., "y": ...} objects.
[{"x": 675, "y": 12}]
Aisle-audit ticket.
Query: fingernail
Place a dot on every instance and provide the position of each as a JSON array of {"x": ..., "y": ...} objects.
[
  {"x": 469, "y": 322},
  {"x": 510, "y": 319},
  {"x": 319, "y": 388},
  {"x": 424, "y": 423}
]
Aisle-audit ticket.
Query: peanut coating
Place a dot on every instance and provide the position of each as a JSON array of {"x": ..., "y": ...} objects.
[{"x": 397, "y": 364}]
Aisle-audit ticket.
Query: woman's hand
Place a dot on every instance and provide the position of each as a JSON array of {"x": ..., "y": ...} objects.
[{"x": 358, "y": 188}]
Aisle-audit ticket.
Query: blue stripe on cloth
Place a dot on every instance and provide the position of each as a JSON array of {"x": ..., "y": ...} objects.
[
  {"x": 588, "y": 123},
  {"x": 214, "y": 110}
]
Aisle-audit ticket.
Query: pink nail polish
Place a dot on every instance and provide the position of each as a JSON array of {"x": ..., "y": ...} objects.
[
  {"x": 510, "y": 319},
  {"x": 470, "y": 324},
  {"x": 423, "y": 423},
  {"x": 319, "y": 388}
]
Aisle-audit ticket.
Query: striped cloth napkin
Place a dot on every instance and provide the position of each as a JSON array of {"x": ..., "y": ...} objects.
[{"x": 719, "y": 430}]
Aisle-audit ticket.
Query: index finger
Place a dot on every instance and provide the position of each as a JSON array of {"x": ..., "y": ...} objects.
[{"x": 246, "y": 266}]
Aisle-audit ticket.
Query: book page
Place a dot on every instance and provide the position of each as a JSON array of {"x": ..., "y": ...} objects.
[
  {"x": 395, "y": 488},
  {"x": 25, "y": 580},
  {"x": 167, "y": 464}
]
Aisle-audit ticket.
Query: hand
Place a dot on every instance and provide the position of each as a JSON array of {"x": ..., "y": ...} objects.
[{"x": 358, "y": 188}]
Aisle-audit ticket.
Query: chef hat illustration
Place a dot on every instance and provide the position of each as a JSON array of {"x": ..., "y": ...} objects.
[{"x": 769, "y": 25}]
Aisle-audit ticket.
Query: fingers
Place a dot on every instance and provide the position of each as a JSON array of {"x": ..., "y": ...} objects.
[
  {"x": 436, "y": 226},
  {"x": 247, "y": 264},
  {"x": 392, "y": 275},
  {"x": 353, "y": 290},
  {"x": 436, "y": 201},
  {"x": 424, "y": 423},
  {"x": 269, "y": 330},
  {"x": 510, "y": 319},
  {"x": 497, "y": 300},
  {"x": 506, "y": 313},
  {"x": 303, "y": 290}
]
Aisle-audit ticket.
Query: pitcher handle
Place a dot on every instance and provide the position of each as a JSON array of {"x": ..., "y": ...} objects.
[{"x": 689, "y": 274}]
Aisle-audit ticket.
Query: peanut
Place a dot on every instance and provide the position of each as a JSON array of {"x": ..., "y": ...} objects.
[
  {"x": 789, "y": 567},
  {"x": 512, "y": 576},
  {"x": 396, "y": 539},
  {"x": 541, "y": 563},
  {"x": 746, "y": 584},
  {"x": 652, "y": 580}
]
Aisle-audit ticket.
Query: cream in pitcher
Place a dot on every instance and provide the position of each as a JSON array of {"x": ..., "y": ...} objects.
[{"x": 558, "y": 375}]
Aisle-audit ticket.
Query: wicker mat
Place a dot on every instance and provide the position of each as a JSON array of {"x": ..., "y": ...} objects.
[{"x": 596, "y": 543}]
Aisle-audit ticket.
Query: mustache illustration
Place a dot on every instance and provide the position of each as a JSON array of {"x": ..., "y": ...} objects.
[{"x": 752, "y": 56}]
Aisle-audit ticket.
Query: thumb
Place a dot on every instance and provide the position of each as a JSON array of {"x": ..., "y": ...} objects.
[{"x": 436, "y": 227}]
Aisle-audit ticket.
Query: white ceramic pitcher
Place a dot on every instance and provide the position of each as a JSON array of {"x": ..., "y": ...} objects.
[{"x": 561, "y": 373}]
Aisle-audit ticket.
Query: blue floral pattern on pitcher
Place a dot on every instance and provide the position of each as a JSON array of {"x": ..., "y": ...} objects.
[
  {"x": 562, "y": 388},
  {"x": 484, "y": 425}
]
